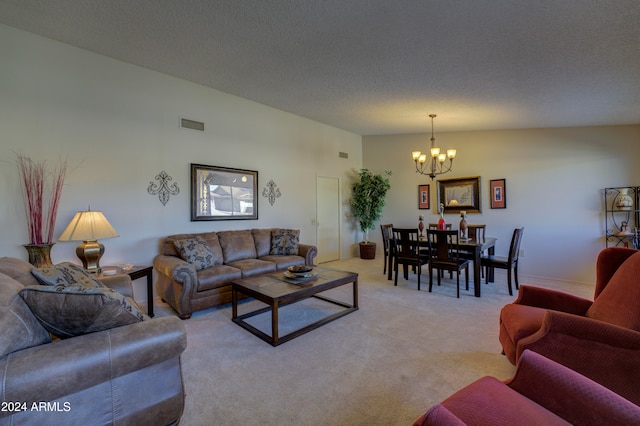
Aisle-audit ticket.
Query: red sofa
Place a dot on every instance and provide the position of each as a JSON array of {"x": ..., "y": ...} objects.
[
  {"x": 599, "y": 339},
  {"x": 541, "y": 392}
]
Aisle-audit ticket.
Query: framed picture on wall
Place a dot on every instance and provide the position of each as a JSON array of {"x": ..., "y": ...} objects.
[
  {"x": 423, "y": 197},
  {"x": 498, "y": 193},
  {"x": 221, "y": 193},
  {"x": 458, "y": 195}
]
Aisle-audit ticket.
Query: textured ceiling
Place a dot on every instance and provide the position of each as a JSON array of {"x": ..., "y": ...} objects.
[{"x": 377, "y": 66}]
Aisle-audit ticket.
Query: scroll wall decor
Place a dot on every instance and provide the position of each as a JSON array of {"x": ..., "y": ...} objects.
[
  {"x": 271, "y": 191},
  {"x": 163, "y": 188}
]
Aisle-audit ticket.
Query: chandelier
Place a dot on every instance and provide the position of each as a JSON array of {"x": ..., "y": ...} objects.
[{"x": 436, "y": 166}]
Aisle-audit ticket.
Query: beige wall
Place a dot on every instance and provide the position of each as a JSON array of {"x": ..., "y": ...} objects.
[
  {"x": 554, "y": 179},
  {"x": 118, "y": 126}
]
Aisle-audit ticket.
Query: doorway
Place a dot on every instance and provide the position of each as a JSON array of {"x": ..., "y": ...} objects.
[{"x": 328, "y": 218}]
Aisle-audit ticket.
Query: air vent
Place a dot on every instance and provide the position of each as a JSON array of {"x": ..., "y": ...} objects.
[
  {"x": 185, "y": 123},
  {"x": 343, "y": 155}
]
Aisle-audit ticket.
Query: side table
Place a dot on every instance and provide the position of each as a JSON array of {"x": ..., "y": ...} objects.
[{"x": 136, "y": 272}]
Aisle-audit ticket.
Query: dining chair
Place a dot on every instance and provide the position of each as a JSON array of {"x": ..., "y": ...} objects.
[
  {"x": 445, "y": 256},
  {"x": 476, "y": 232},
  {"x": 435, "y": 226},
  {"x": 406, "y": 252},
  {"x": 386, "y": 243},
  {"x": 510, "y": 263}
]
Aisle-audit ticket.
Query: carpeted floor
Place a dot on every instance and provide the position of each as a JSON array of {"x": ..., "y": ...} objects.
[{"x": 385, "y": 364}]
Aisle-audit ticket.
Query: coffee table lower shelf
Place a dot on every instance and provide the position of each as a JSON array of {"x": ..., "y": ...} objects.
[{"x": 278, "y": 293}]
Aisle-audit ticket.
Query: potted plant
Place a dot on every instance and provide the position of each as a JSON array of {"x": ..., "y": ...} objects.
[
  {"x": 367, "y": 200},
  {"x": 42, "y": 188}
]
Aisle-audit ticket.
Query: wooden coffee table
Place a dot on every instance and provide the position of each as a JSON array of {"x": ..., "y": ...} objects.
[{"x": 276, "y": 291}]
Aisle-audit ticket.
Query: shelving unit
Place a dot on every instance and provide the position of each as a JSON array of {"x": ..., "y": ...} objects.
[{"x": 622, "y": 216}]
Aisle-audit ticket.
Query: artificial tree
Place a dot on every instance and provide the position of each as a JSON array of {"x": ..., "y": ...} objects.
[{"x": 367, "y": 200}]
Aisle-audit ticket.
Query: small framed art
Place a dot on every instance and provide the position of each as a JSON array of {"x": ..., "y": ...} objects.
[
  {"x": 498, "y": 194},
  {"x": 423, "y": 197}
]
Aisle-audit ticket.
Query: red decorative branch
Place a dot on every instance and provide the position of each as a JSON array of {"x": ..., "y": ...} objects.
[{"x": 33, "y": 176}]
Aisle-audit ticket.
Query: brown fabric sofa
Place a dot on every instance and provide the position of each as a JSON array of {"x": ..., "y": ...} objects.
[
  {"x": 236, "y": 254},
  {"x": 125, "y": 375},
  {"x": 541, "y": 392}
]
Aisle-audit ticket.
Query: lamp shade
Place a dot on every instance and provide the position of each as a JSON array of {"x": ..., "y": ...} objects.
[{"x": 88, "y": 226}]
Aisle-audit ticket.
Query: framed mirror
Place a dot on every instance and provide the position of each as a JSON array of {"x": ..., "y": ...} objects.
[
  {"x": 221, "y": 193},
  {"x": 460, "y": 194}
]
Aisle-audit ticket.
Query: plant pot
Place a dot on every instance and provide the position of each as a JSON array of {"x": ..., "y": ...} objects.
[
  {"x": 367, "y": 250},
  {"x": 39, "y": 254}
]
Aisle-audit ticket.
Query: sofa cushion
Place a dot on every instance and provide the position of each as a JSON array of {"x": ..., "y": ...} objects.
[
  {"x": 217, "y": 276},
  {"x": 251, "y": 267},
  {"x": 237, "y": 245},
  {"x": 283, "y": 262},
  {"x": 285, "y": 241},
  {"x": 618, "y": 302},
  {"x": 195, "y": 251},
  {"x": 20, "y": 329},
  {"x": 19, "y": 270},
  {"x": 66, "y": 274},
  {"x": 262, "y": 238},
  {"x": 68, "y": 311}
]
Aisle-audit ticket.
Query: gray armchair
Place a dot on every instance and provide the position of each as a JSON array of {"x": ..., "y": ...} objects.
[{"x": 124, "y": 375}]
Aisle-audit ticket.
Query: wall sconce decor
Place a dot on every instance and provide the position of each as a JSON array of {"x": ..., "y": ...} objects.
[
  {"x": 271, "y": 191},
  {"x": 162, "y": 188}
]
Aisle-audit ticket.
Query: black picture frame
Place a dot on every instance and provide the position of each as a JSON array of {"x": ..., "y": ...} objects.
[
  {"x": 222, "y": 193},
  {"x": 462, "y": 194},
  {"x": 424, "y": 197},
  {"x": 498, "y": 193}
]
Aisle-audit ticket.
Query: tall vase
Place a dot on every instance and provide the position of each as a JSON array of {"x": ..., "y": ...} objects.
[
  {"x": 420, "y": 224},
  {"x": 624, "y": 200},
  {"x": 463, "y": 226},
  {"x": 442, "y": 225},
  {"x": 39, "y": 254}
]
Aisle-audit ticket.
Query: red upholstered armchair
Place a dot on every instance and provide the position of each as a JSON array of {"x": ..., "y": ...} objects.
[
  {"x": 541, "y": 392},
  {"x": 599, "y": 339}
]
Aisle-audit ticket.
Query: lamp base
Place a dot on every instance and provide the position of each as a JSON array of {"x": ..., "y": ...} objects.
[{"x": 90, "y": 252}]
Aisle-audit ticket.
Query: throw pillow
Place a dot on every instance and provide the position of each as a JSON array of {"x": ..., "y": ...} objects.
[
  {"x": 66, "y": 274},
  {"x": 285, "y": 241},
  {"x": 20, "y": 329},
  {"x": 195, "y": 251},
  {"x": 68, "y": 311}
]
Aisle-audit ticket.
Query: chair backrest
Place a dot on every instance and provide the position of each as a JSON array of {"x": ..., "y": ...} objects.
[
  {"x": 514, "y": 249},
  {"x": 405, "y": 242},
  {"x": 386, "y": 236},
  {"x": 435, "y": 226},
  {"x": 618, "y": 302},
  {"x": 476, "y": 232},
  {"x": 443, "y": 245}
]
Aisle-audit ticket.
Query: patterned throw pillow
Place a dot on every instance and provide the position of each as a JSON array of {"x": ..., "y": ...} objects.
[
  {"x": 285, "y": 241},
  {"x": 66, "y": 274},
  {"x": 195, "y": 251},
  {"x": 68, "y": 311}
]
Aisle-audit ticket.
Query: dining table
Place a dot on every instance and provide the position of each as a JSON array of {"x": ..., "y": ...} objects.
[{"x": 471, "y": 246}]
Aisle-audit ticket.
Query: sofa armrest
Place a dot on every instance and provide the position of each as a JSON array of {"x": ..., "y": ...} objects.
[
  {"x": 121, "y": 283},
  {"x": 85, "y": 361},
  {"x": 309, "y": 252},
  {"x": 575, "y": 398},
  {"x": 601, "y": 351},
  {"x": 175, "y": 268},
  {"x": 546, "y": 298}
]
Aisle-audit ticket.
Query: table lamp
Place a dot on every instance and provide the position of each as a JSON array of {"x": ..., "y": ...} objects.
[{"x": 88, "y": 227}]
